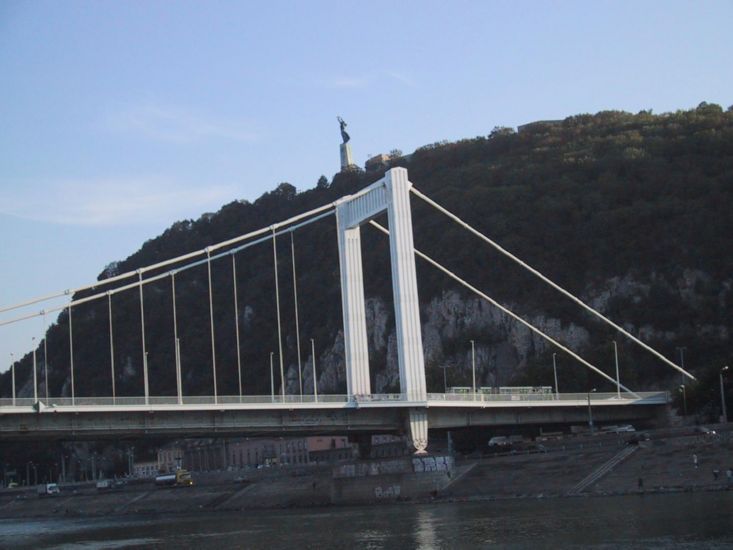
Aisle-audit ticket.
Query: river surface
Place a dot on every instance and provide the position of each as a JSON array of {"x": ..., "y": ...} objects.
[{"x": 689, "y": 520}]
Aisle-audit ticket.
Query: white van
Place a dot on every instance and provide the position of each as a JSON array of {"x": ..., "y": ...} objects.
[{"x": 47, "y": 489}]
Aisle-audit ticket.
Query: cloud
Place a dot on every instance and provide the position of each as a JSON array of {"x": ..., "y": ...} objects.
[
  {"x": 174, "y": 125},
  {"x": 112, "y": 202}
]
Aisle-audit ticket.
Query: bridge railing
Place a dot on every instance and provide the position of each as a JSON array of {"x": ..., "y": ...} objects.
[
  {"x": 172, "y": 400},
  {"x": 595, "y": 397},
  {"x": 377, "y": 397},
  {"x": 610, "y": 397}
]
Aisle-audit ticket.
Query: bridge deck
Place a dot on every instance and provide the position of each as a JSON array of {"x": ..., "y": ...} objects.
[{"x": 308, "y": 402}]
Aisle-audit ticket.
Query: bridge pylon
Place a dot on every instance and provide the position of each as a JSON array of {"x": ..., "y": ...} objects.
[{"x": 390, "y": 194}]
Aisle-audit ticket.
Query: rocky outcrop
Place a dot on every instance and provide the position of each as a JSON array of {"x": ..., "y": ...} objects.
[{"x": 502, "y": 346}]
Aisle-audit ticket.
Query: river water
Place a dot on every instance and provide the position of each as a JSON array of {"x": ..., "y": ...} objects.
[{"x": 690, "y": 520}]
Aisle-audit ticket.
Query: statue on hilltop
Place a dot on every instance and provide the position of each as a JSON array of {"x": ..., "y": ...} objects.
[{"x": 344, "y": 135}]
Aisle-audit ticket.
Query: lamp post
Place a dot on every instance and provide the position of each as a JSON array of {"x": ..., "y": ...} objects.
[
  {"x": 445, "y": 379},
  {"x": 722, "y": 395},
  {"x": 618, "y": 379},
  {"x": 682, "y": 349},
  {"x": 272, "y": 377},
  {"x": 684, "y": 398},
  {"x": 590, "y": 412},
  {"x": 315, "y": 378},
  {"x": 473, "y": 366},
  {"x": 554, "y": 370}
]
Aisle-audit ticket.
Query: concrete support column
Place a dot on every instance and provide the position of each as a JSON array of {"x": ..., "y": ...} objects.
[
  {"x": 417, "y": 424},
  {"x": 404, "y": 286},
  {"x": 356, "y": 350}
]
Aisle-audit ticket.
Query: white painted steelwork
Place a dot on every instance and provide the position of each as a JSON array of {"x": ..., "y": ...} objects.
[{"x": 392, "y": 195}]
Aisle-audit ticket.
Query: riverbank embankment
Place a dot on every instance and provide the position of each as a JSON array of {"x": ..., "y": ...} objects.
[{"x": 668, "y": 461}]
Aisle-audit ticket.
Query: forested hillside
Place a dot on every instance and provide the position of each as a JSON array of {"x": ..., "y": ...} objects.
[{"x": 630, "y": 211}]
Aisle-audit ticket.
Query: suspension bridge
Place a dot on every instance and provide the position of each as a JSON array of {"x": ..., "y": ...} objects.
[{"x": 413, "y": 410}]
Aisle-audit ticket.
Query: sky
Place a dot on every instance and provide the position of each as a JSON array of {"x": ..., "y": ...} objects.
[{"x": 118, "y": 119}]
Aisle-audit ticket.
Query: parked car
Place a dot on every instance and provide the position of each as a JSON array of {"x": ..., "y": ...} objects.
[
  {"x": 626, "y": 428},
  {"x": 48, "y": 489},
  {"x": 499, "y": 441},
  {"x": 110, "y": 484}
]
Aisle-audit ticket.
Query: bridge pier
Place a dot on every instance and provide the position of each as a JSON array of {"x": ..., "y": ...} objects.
[{"x": 417, "y": 426}]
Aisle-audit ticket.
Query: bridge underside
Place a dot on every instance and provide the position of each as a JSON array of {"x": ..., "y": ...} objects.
[{"x": 229, "y": 423}]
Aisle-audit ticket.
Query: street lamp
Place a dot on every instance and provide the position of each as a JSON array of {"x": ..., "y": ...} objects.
[
  {"x": 618, "y": 379},
  {"x": 272, "y": 377},
  {"x": 684, "y": 398},
  {"x": 315, "y": 378},
  {"x": 445, "y": 378},
  {"x": 682, "y": 349},
  {"x": 590, "y": 412},
  {"x": 554, "y": 369},
  {"x": 722, "y": 394},
  {"x": 473, "y": 366}
]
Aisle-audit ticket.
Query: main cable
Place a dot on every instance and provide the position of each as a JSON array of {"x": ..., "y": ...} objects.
[
  {"x": 508, "y": 312},
  {"x": 554, "y": 285}
]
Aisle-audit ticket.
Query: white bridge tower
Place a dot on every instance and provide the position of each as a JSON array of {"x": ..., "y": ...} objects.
[{"x": 391, "y": 193}]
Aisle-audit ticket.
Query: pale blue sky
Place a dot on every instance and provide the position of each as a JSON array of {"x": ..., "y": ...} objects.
[{"x": 119, "y": 118}]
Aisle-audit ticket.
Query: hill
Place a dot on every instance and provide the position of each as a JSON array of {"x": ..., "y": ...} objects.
[{"x": 630, "y": 211}]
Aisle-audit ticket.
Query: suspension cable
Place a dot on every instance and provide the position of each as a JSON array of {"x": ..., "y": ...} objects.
[
  {"x": 71, "y": 355},
  {"x": 36, "y": 300},
  {"x": 314, "y": 215},
  {"x": 236, "y": 322},
  {"x": 554, "y": 285},
  {"x": 508, "y": 312},
  {"x": 160, "y": 276},
  {"x": 176, "y": 343},
  {"x": 277, "y": 305},
  {"x": 297, "y": 326},
  {"x": 111, "y": 346},
  {"x": 142, "y": 334},
  {"x": 45, "y": 351},
  {"x": 211, "y": 320}
]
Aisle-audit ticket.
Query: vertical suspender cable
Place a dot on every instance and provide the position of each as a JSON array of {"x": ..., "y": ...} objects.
[
  {"x": 71, "y": 355},
  {"x": 236, "y": 323},
  {"x": 277, "y": 305},
  {"x": 297, "y": 327},
  {"x": 176, "y": 343},
  {"x": 12, "y": 375},
  {"x": 142, "y": 332},
  {"x": 35, "y": 375},
  {"x": 111, "y": 347},
  {"x": 45, "y": 351},
  {"x": 211, "y": 320}
]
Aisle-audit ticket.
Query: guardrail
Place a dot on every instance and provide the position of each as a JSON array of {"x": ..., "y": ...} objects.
[
  {"x": 595, "y": 397},
  {"x": 607, "y": 398},
  {"x": 173, "y": 400}
]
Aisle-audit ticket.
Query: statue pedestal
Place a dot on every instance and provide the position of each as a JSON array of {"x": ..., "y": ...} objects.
[{"x": 347, "y": 159}]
